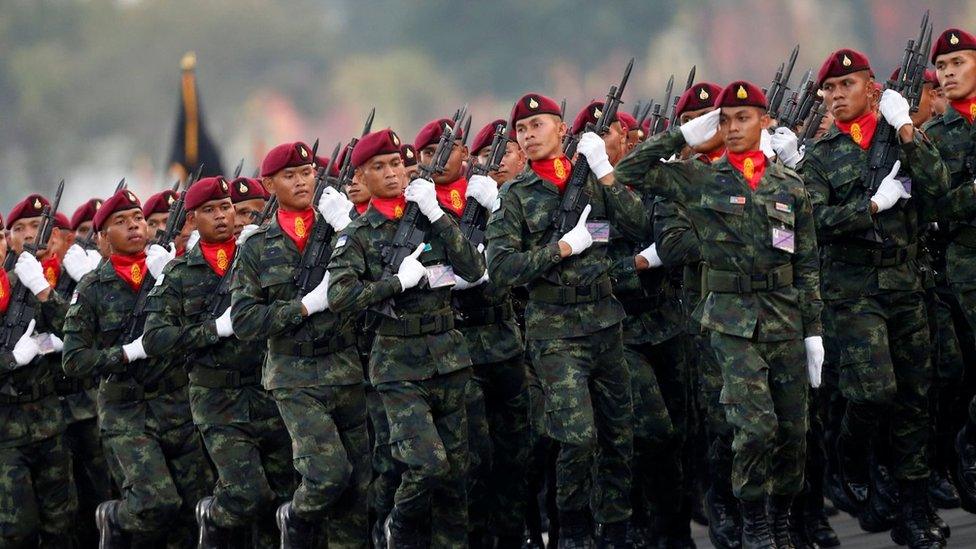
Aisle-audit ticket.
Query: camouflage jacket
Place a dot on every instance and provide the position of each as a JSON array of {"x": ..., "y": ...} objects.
[
  {"x": 266, "y": 306},
  {"x": 356, "y": 283},
  {"x": 520, "y": 253},
  {"x": 679, "y": 247},
  {"x": 754, "y": 289},
  {"x": 833, "y": 170},
  {"x": 77, "y": 396}
]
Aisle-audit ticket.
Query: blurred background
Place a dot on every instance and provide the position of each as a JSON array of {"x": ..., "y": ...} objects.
[{"x": 90, "y": 90}]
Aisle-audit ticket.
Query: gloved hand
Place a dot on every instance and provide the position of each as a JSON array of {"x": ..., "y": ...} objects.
[
  {"x": 594, "y": 149},
  {"x": 650, "y": 254},
  {"x": 786, "y": 146},
  {"x": 579, "y": 238},
  {"x": 134, "y": 350},
  {"x": 317, "y": 300},
  {"x": 225, "y": 326},
  {"x": 56, "y": 344},
  {"x": 193, "y": 239},
  {"x": 483, "y": 189},
  {"x": 246, "y": 233},
  {"x": 335, "y": 208},
  {"x": 422, "y": 192},
  {"x": 157, "y": 257},
  {"x": 26, "y": 348},
  {"x": 890, "y": 190},
  {"x": 815, "y": 358},
  {"x": 701, "y": 129},
  {"x": 77, "y": 262},
  {"x": 462, "y": 284},
  {"x": 894, "y": 108},
  {"x": 30, "y": 273},
  {"x": 766, "y": 144},
  {"x": 411, "y": 270}
]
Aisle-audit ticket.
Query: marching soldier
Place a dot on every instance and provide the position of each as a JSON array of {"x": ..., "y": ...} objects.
[{"x": 249, "y": 198}]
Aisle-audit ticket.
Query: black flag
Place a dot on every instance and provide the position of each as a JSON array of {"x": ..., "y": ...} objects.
[{"x": 191, "y": 143}]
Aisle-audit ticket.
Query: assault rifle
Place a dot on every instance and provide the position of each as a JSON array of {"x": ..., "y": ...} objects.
[{"x": 474, "y": 217}]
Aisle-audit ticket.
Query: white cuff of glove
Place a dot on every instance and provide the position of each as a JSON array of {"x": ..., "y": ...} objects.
[
  {"x": 650, "y": 254},
  {"x": 134, "y": 351},
  {"x": 26, "y": 347},
  {"x": 225, "y": 326},
  {"x": 30, "y": 273},
  {"x": 317, "y": 300},
  {"x": 815, "y": 358}
]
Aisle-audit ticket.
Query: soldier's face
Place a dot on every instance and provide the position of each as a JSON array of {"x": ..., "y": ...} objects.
[
  {"x": 125, "y": 232},
  {"x": 157, "y": 222},
  {"x": 294, "y": 187},
  {"x": 850, "y": 96},
  {"x": 83, "y": 229},
  {"x": 924, "y": 113},
  {"x": 23, "y": 231},
  {"x": 742, "y": 127},
  {"x": 58, "y": 243},
  {"x": 716, "y": 142},
  {"x": 384, "y": 175},
  {"x": 3, "y": 244},
  {"x": 939, "y": 101},
  {"x": 454, "y": 165},
  {"x": 356, "y": 189},
  {"x": 541, "y": 136},
  {"x": 615, "y": 141},
  {"x": 957, "y": 74},
  {"x": 214, "y": 220},
  {"x": 512, "y": 163},
  {"x": 245, "y": 212},
  {"x": 633, "y": 139}
]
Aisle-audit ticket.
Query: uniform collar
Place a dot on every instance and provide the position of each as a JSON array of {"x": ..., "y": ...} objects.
[
  {"x": 194, "y": 256},
  {"x": 774, "y": 168},
  {"x": 374, "y": 217}
]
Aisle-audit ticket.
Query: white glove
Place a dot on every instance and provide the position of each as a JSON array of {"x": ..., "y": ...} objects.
[
  {"x": 890, "y": 190},
  {"x": 192, "y": 240},
  {"x": 483, "y": 189},
  {"x": 157, "y": 257},
  {"x": 30, "y": 273},
  {"x": 815, "y": 358},
  {"x": 56, "y": 344},
  {"x": 422, "y": 192},
  {"x": 766, "y": 144},
  {"x": 894, "y": 108},
  {"x": 786, "y": 146},
  {"x": 335, "y": 208},
  {"x": 462, "y": 284},
  {"x": 701, "y": 129},
  {"x": 650, "y": 254},
  {"x": 225, "y": 326},
  {"x": 26, "y": 348},
  {"x": 246, "y": 233},
  {"x": 134, "y": 351},
  {"x": 594, "y": 149},
  {"x": 411, "y": 271},
  {"x": 317, "y": 300},
  {"x": 579, "y": 238},
  {"x": 77, "y": 262}
]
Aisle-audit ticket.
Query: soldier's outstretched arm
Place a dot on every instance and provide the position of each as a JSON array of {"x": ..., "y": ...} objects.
[
  {"x": 626, "y": 212},
  {"x": 167, "y": 328},
  {"x": 466, "y": 260},
  {"x": 81, "y": 356},
  {"x": 806, "y": 266},
  {"x": 852, "y": 217},
  {"x": 349, "y": 290},
  {"x": 646, "y": 169},
  {"x": 677, "y": 241},
  {"x": 510, "y": 260},
  {"x": 255, "y": 318}
]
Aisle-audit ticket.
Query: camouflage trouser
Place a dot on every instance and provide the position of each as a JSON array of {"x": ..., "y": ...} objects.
[
  {"x": 589, "y": 411},
  {"x": 429, "y": 435},
  {"x": 479, "y": 457},
  {"x": 947, "y": 379},
  {"x": 92, "y": 479},
  {"x": 717, "y": 428},
  {"x": 765, "y": 397},
  {"x": 37, "y": 493},
  {"x": 386, "y": 470},
  {"x": 965, "y": 294},
  {"x": 880, "y": 345},
  {"x": 330, "y": 450}
]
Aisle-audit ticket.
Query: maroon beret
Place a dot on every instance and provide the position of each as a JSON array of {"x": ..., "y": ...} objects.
[
  {"x": 532, "y": 104},
  {"x": 742, "y": 94},
  {"x": 61, "y": 221},
  {"x": 953, "y": 40},
  {"x": 246, "y": 188},
  {"x": 85, "y": 212},
  {"x": 205, "y": 190},
  {"x": 485, "y": 136},
  {"x": 627, "y": 121},
  {"x": 374, "y": 144},
  {"x": 286, "y": 155},
  {"x": 699, "y": 96},
  {"x": 842, "y": 62},
  {"x": 432, "y": 131},
  {"x": 120, "y": 201},
  {"x": 928, "y": 76},
  {"x": 588, "y": 115},
  {"x": 408, "y": 154},
  {"x": 159, "y": 202},
  {"x": 32, "y": 206}
]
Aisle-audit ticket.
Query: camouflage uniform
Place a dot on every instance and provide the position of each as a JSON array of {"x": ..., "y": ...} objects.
[
  {"x": 420, "y": 367},
  {"x": 143, "y": 411},
  {"x": 240, "y": 424},
  {"x": 573, "y": 328},
  {"x": 760, "y": 301},
  {"x": 37, "y": 489},
  {"x": 313, "y": 372},
  {"x": 876, "y": 321}
]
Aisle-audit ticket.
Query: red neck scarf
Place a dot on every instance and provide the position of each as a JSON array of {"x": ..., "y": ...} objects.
[
  {"x": 52, "y": 269},
  {"x": 710, "y": 158},
  {"x": 553, "y": 170},
  {"x": 361, "y": 207},
  {"x": 966, "y": 107},
  {"x": 861, "y": 129},
  {"x": 4, "y": 291},
  {"x": 451, "y": 196},
  {"x": 297, "y": 225},
  {"x": 751, "y": 164},
  {"x": 391, "y": 208},
  {"x": 130, "y": 268},
  {"x": 219, "y": 254}
]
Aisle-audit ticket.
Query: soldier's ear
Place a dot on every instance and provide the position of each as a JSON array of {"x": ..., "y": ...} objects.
[
  {"x": 191, "y": 216},
  {"x": 268, "y": 184}
]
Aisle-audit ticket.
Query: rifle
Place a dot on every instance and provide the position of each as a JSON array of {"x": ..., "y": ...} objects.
[
  {"x": 238, "y": 169},
  {"x": 20, "y": 310},
  {"x": 658, "y": 117},
  {"x": 801, "y": 101},
  {"x": 577, "y": 196},
  {"x": 673, "y": 117},
  {"x": 643, "y": 115},
  {"x": 474, "y": 217},
  {"x": 780, "y": 84},
  {"x": 88, "y": 242}
]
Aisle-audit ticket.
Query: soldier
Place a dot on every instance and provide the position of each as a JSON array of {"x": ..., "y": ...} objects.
[
  {"x": 249, "y": 197},
  {"x": 419, "y": 363},
  {"x": 143, "y": 406},
  {"x": 239, "y": 422},
  {"x": 573, "y": 323},
  {"x": 875, "y": 316},
  {"x": 156, "y": 210},
  {"x": 312, "y": 368},
  {"x": 634, "y": 134},
  {"x": 513, "y": 161},
  {"x": 82, "y": 218},
  {"x": 38, "y": 487},
  {"x": 409, "y": 155},
  {"x": 762, "y": 303}
]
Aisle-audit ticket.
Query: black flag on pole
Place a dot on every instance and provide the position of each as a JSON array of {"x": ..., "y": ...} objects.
[{"x": 191, "y": 143}]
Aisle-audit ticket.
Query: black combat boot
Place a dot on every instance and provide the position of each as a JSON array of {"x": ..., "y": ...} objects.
[
  {"x": 211, "y": 535},
  {"x": 756, "y": 533},
  {"x": 965, "y": 471},
  {"x": 110, "y": 533},
  {"x": 724, "y": 522},
  {"x": 778, "y": 512},
  {"x": 612, "y": 535},
  {"x": 575, "y": 530},
  {"x": 405, "y": 534},
  {"x": 912, "y": 528},
  {"x": 855, "y": 477},
  {"x": 938, "y": 527},
  {"x": 941, "y": 491},
  {"x": 296, "y": 532},
  {"x": 815, "y": 523},
  {"x": 798, "y": 532}
]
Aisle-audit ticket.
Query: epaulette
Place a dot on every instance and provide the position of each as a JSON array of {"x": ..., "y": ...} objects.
[{"x": 173, "y": 263}]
